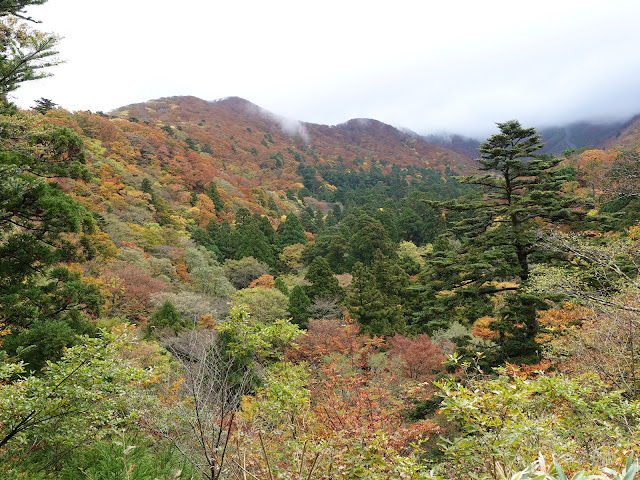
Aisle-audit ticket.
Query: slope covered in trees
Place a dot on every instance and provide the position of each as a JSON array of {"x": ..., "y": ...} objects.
[{"x": 194, "y": 289}]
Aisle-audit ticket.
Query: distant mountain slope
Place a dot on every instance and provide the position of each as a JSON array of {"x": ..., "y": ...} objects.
[
  {"x": 236, "y": 131},
  {"x": 626, "y": 138},
  {"x": 458, "y": 143},
  {"x": 579, "y": 135},
  {"x": 558, "y": 139}
]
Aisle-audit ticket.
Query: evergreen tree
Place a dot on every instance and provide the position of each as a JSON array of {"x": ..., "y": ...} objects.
[
  {"x": 299, "y": 304},
  {"x": 369, "y": 237},
  {"x": 307, "y": 220},
  {"x": 145, "y": 186},
  {"x": 165, "y": 318},
  {"x": 224, "y": 238},
  {"x": 253, "y": 243},
  {"x": 411, "y": 225},
  {"x": 323, "y": 283},
  {"x": 42, "y": 304},
  {"x": 280, "y": 285},
  {"x": 290, "y": 231},
  {"x": 256, "y": 238},
  {"x": 520, "y": 193},
  {"x": 211, "y": 190},
  {"x": 367, "y": 305},
  {"x": 272, "y": 206},
  {"x": 330, "y": 245},
  {"x": 242, "y": 215},
  {"x": 266, "y": 228},
  {"x": 380, "y": 297},
  {"x": 25, "y": 54},
  {"x": 44, "y": 105}
]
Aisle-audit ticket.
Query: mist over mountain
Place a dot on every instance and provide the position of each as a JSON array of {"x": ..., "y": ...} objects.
[{"x": 557, "y": 139}]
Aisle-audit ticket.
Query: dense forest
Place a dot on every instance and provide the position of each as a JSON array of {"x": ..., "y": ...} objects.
[{"x": 194, "y": 289}]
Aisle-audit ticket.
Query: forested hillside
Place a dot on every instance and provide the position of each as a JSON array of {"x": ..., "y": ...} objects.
[{"x": 194, "y": 289}]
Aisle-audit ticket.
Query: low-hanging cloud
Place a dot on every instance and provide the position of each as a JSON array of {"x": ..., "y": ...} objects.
[{"x": 441, "y": 67}]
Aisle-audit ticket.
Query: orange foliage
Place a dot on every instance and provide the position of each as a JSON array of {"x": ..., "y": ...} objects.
[
  {"x": 130, "y": 289},
  {"x": 352, "y": 403},
  {"x": 481, "y": 328},
  {"x": 593, "y": 166},
  {"x": 324, "y": 337},
  {"x": 264, "y": 281},
  {"x": 204, "y": 211},
  {"x": 526, "y": 371},
  {"x": 111, "y": 186},
  {"x": 557, "y": 322},
  {"x": 421, "y": 357},
  {"x": 354, "y": 406}
]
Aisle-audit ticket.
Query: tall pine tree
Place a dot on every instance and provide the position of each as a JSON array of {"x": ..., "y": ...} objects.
[{"x": 521, "y": 192}]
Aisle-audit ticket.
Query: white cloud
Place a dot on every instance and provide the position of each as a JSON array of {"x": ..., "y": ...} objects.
[{"x": 428, "y": 66}]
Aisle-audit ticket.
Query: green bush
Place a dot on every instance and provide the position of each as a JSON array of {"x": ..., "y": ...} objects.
[{"x": 504, "y": 422}]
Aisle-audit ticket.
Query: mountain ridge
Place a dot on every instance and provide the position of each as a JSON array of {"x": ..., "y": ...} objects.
[{"x": 357, "y": 141}]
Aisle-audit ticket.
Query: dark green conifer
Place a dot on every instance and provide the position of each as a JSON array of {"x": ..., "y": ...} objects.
[
  {"x": 44, "y": 105},
  {"x": 299, "y": 304},
  {"x": 369, "y": 237},
  {"x": 166, "y": 318},
  {"x": 43, "y": 305},
  {"x": 323, "y": 283},
  {"x": 145, "y": 186},
  {"x": 252, "y": 242},
  {"x": 290, "y": 231},
  {"x": 211, "y": 190},
  {"x": 280, "y": 285},
  {"x": 520, "y": 193}
]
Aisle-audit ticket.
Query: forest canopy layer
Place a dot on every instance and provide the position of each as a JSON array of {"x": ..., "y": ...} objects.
[{"x": 194, "y": 289}]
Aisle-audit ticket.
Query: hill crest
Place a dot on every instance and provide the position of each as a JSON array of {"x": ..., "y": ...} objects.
[{"x": 235, "y": 121}]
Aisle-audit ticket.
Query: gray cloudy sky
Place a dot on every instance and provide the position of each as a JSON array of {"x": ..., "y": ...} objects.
[{"x": 454, "y": 66}]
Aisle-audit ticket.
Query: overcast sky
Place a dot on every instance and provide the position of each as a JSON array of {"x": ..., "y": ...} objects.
[{"x": 453, "y": 66}]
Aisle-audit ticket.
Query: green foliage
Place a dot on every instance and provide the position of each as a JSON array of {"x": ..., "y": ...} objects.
[
  {"x": 290, "y": 231},
  {"x": 247, "y": 341},
  {"x": 369, "y": 237},
  {"x": 244, "y": 271},
  {"x": 539, "y": 470},
  {"x": 283, "y": 397},
  {"x": 36, "y": 217},
  {"x": 44, "y": 105},
  {"x": 256, "y": 238},
  {"x": 299, "y": 304},
  {"x": 211, "y": 190},
  {"x": 71, "y": 402},
  {"x": 134, "y": 457},
  {"x": 207, "y": 276},
  {"x": 323, "y": 283},
  {"x": 280, "y": 285},
  {"x": 166, "y": 318},
  {"x": 521, "y": 191},
  {"x": 266, "y": 305},
  {"x": 26, "y": 53},
  {"x": 507, "y": 421},
  {"x": 145, "y": 186},
  {"x": 603, "y": 276},
  {"x": 375, "y": 300},
  {"x": 333, "y": 247}
]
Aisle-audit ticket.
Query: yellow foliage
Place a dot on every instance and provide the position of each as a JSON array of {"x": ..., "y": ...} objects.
[
  {"x": 206, "y": 321},
  {"x": 634, "y": 232},
  {"x": 481, "y": 328}
]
